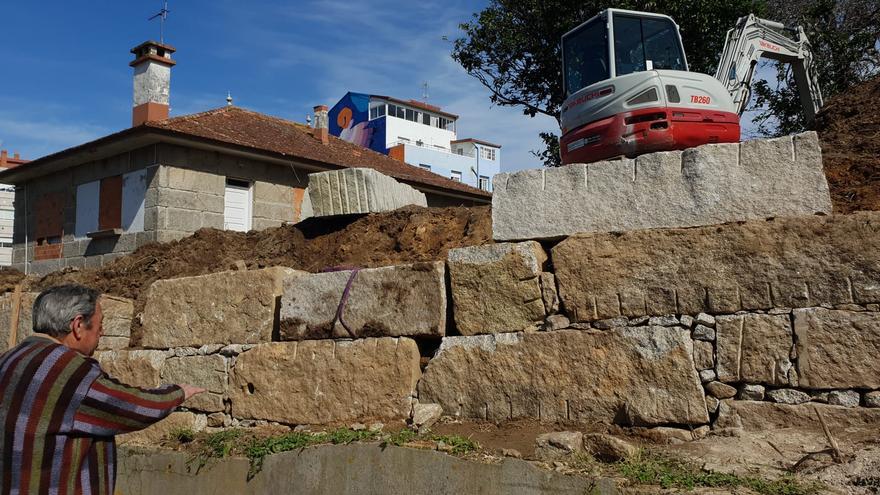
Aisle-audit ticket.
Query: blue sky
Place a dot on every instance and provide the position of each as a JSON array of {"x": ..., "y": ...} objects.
[{"x": 67, "y": 80}]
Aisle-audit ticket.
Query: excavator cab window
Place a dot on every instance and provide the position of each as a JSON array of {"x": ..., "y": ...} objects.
[
  {"x": 640, "y": 39},
  {"x": 585, "y": 56}
]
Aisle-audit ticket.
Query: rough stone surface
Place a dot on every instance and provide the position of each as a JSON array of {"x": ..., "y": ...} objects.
[
  {"x": 791, "y": 262},
  {"x": 707, "y": 376},
  {"x": 838, "y": 349},
  {"x": 142, "y": 368},
  {"x": 720, "y": 390},
  {"x": 608, "y": 448},
  {"x": 755, "y": 348},
  {"x": 704, "y": 319},
  {"x": 663, "y": 321},
  {"x": 208, "y": 372},
  {"x": 325, "y": 381},
  {"x": 118, "y": 312},
  {"x": 872, "y": 399},
  {"x": 156, "y": 433},
  {"x": 845, "y": 398},
  {"x": 710, "y": 184},
  {"x": 788, "y": 396},
  {"x": 425, "y": 415},
  {"x": 704, "y": 358},
  {"x": 620, "y": 321},
  {"x": 392, "y": 301},
  {"x": 637, "y": 375},
  {"x": 555, "y": 322},
  {"x": 751, "y": 392},
  {"x": 548, "y": 292},
  {"x": 712, "y": 403},
  {"x": 231, "y": 307},
  {"x": 359, "y": 190},
  {"x": 704, "y": 333},
  {"x": 496, "y": 287},
  {"x": 753, "y": 415},
  {"x": 558, "y": 444},
  {"x": 687, "y": 321}
]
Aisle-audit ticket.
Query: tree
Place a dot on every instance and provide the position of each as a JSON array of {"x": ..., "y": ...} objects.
[
  {"x": 513, "y": 46},
  {"x": 844, "y": 37}
]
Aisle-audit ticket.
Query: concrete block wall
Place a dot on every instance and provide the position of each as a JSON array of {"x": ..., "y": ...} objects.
[
  {"x": 76, "y": 253},
  {"x": 707, "y": 185},
  {"x": 185, "y": 192}
]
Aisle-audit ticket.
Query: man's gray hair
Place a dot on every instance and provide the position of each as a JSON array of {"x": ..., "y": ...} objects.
[{"x": 56, "y": 307}]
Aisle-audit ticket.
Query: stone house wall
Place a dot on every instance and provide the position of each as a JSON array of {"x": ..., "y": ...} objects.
[{"x": 184, "y": 192}]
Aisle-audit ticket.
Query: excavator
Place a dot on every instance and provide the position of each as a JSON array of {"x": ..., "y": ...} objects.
[{"x": 629, "y": 91}]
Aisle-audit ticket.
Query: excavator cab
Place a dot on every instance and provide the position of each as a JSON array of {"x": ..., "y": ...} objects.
[{"x": 629, "y": 92}]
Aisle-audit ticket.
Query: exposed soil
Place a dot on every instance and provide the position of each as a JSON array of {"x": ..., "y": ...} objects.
[
  {"x": 849, "y": 131},
  {"x": 407, "y": 235}
]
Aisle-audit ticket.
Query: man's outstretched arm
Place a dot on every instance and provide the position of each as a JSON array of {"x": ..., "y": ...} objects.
[{"x": 111, "y": 407}]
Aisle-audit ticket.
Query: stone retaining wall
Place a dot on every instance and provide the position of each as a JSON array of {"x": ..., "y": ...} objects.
[{"x": 645, "y": 328}]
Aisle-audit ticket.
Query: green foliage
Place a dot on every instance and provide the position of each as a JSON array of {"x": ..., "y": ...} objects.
[
  {"x": 182, "y": 435},
  {"x": 844, "y": 37},
  {"x": 513, "y": 46},
  {"x": 225, "y": 443},
  {"x": 675, "y": 474}
]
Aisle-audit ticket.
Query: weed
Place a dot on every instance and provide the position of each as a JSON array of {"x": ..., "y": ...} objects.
[
  {"x": 182, "y": 435},
  {"x": 460, "y": 445},
  {"x": 673, "y": 473}
]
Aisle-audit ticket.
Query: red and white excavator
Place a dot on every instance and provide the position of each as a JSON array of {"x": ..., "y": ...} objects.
[{"x": 629, "y": 92}]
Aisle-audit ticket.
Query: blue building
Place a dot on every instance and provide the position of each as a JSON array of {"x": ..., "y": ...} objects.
[{"x": 417, "y": 133}]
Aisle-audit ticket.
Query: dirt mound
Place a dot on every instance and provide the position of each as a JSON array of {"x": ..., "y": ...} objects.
[
  {"x": 849, "y": 130},
  {"x": 409, "y": 234}
]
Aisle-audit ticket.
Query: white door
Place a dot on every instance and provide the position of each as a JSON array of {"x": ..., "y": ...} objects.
[{"x": 237, "y": 205}]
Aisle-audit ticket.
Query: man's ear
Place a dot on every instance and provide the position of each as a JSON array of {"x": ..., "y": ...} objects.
[{"x": 75, "y": 325}]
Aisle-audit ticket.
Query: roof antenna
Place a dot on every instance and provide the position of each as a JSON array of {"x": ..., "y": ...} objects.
[
  {"x": 425, "y": 91},
  {"x": 228, "y": 99},
  {"x": 163, "y": 14}
]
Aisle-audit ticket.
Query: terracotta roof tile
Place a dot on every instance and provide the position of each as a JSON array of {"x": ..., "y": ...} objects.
[{"x": 242, "y": 127}]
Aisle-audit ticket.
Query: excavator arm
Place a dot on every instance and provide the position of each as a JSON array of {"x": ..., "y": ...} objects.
[{"x": 753, "y": 38}]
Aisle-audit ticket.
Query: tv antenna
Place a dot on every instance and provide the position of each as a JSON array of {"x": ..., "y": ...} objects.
[
  {"x": 162, "y": 14},
  {"x": 425, "y": 91}
]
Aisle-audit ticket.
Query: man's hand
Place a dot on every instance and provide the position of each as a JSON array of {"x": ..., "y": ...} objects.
[{"x": 189, "y": 390}]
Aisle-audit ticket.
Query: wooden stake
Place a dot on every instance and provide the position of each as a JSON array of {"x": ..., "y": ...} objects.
[
  {"x": 14, "y": 317},
  {"x": 838, "y": 458}
]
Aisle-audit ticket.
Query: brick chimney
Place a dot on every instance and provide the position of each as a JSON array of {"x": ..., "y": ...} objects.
[
  {"x": 321, "y": 130},
  {"x": 6, "y": 162},
  {"x": 152, "y": 81}
]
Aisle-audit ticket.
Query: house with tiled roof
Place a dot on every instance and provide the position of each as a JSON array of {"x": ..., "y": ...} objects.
[
  {"x": 417, "y": 133},
  {"x": 164, "y": 178}
]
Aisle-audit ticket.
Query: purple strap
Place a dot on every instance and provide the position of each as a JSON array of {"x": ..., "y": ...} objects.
[{"x": 345, "y": 293}]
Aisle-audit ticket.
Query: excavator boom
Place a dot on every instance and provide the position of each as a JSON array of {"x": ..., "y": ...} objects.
[{"x": 754, "y": 38}]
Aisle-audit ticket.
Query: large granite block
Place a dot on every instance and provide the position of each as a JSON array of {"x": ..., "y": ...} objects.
[
  {"x": 755, "y": 348},
  {"x": 786, "y": 262},
  {"x": 359, "y": 190},
  {"x": 326, "y": 381},
  {"x": 234, "y": 307},
  {"x": 838, "y": 349},
  {"x": 706, "y": 185},
  {"x": 754, "y": 415},
  {"x": 209, "y": 372},
  {"x": 496, "y": 288},
  {"x": 636, "y": 375},
  {"x": 392, "y": 301}
]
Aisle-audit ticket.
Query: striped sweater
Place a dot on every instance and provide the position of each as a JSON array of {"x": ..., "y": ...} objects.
[{"x": 58, "y": 415}]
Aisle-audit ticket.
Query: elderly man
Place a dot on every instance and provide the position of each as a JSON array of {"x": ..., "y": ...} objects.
[{"x": 60, "y": 411}]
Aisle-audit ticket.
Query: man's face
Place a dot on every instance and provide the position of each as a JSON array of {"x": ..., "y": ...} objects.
[{"x": 89, "y": 335}]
